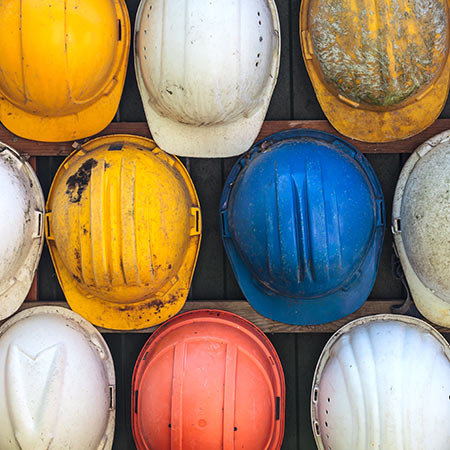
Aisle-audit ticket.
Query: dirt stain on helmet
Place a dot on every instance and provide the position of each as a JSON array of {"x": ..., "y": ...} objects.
[{"x": 77, "y": 183}]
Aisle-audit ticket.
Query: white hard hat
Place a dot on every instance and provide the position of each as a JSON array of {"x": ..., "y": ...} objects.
[
  {"x": 21, "y": 227},
  {"x": 206, "y": 71},
  {"x": 421, "y": 227},
  {"x": 57, "y": 383},
  {"x": 383, "y": 383}
]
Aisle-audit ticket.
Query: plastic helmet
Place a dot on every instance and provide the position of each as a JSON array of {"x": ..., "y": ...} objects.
[
  {"x": 381, "y": 69},
  {"x": 208, "y": 380},
  {"x": 383, "y": 383},
  {"x": 57, "y": 383},
  {"x": 206, "y": 72},
  {"x": 62, "y": 66},
  {"x": 22, "y": 205},
  {"x": 421, "y": 227},
  {"x": 123, "y": 228},
  {"x": 305, "y": 249}
]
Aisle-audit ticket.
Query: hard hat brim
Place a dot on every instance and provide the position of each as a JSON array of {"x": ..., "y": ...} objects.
[{"x": 377, "y": 126}]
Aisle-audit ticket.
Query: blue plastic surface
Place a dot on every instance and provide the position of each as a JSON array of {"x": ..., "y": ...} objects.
[{"x": 303, "y": 226}]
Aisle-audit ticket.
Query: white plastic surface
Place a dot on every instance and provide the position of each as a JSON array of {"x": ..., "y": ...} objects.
[
  {"x": 21, "y": 229},
  {"x": 57, "y": 383},
  {"x": 421, "y": 227},
  {"x": 206, "y": 71},
  {"x": 383, "y": 383}
]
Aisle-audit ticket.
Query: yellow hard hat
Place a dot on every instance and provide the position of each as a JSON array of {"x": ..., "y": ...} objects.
[
  {"x": 62, "y": 66},
  {"x": 123, "y": 226},
  {"x": 380, "y": 69}
]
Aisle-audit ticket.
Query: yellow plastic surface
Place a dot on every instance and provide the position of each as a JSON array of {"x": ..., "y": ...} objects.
[
  {"x": 380, "y": 69},
  {"x": 62, "y": 66},
  {"x": 123, "y": 226}
]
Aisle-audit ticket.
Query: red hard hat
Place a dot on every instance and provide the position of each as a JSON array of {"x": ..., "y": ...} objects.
[{"x": 208, "y": 380}]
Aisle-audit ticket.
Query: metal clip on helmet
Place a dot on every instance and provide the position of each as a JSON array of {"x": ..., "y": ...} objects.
[
  {"x": 208, "y": 380},
  {"x": 123, "y": 228},
  {"x": 206, "y": 72},
  {"x": 22, "y": 206},
  {"x": 380, "y": 69},
  {"x": 303, "y": 225},
  {"x": 62, "y": 66},
  {"x": 58, "y": 383},
  {"x": 421, "y": 227},
  {"x": 383, "y": 382}
]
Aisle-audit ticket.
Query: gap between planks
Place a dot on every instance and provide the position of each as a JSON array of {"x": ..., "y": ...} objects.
[
  {"x": 244, "y": 309},
  {"x": 33, "y": 148}
]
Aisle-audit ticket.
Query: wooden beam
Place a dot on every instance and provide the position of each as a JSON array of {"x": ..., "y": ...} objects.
[
  {"x": 244, "y": 309},
  {"x": 33, "y": 148}
]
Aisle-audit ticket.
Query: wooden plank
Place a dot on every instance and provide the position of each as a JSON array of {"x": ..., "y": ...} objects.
[
  {"x": 244, "y": 309},
  {"x": 33, "y": 148}
]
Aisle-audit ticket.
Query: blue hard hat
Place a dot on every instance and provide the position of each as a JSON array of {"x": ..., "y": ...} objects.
[{"x": 303, "y": 225}]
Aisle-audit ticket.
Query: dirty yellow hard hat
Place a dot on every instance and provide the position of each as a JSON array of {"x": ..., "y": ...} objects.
[
  {"x": 380, "y": 69},
  {"x": 62, "y": 66},
  {"x": 123, "y": 226}
]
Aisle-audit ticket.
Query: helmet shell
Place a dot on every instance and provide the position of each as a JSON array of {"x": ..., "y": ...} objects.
[
  {"x": 124, "y": 232},
  {"x": 380, "y": 70},
  {"x": 208, "y": 379},
  {"x": 57, "y": 383},
  {"x": 53, "y": 85},
  {"x": 383, "y": 382},
  {"x": 421, "y": 227},
  {"x": 22, "y": 205},
  {"x": 305, "y": 250},
  {"x": 206, "y": 72}
]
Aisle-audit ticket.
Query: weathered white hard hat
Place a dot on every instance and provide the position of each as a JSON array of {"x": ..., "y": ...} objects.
[
  {"x": 206, "y": 71},
  {"x": 57, "y": 383},
  {"x": 383, "y": 383},
  {"x": 421, "y": 227},
  {"x": 21, "y": 228}
]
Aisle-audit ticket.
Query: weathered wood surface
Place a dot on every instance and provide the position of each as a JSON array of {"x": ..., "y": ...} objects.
[
  {"x": 244, "y": 309},
  {"x": 34, "y": 148}
]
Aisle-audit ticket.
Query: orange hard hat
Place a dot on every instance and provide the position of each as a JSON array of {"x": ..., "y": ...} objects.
[{"x": 211, "y": 380}]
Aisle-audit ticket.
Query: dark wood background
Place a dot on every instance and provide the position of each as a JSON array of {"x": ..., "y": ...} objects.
[{"x": 293, "y": 99}]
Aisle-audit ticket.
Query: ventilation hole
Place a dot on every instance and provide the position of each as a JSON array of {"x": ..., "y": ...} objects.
[
  {"x": 136, "y": 401},
  {"x": 148, "y": 16},
  {"x": 258, "y": 55},
  {"x": 398, "y": 224},
  {"x": 48, "y": 226},
  {"x": 316, "y": 394},
  {"x": 329, "y": 400},
  {"x": 39, "y": 214},
  {"x": 316, "y": 427},
  {"x": 235, "y": 429},
  {"x": 145, "y": 49},
  {"x": 256, "y": 64},
  {"x": 326, "y": 412},
  {"x": 259, "y": 22},
  {"x": 197, "y": 221},
  {"x": 120, "y": 30},
  {"x": 150, "y": 7},
  {"x": 326, "y": 424},
  {"x": 259, "y": 13},
  {"x": 145, "y": 31},
  {"x": 277, "y": 408},
  {"x": 145, "y": 57},
  {"x": 111, "y": 398},
  {"x": 381, "y": 213},
  {"x": 260, "y": 39},
  {"x": 170, "y": 425}
]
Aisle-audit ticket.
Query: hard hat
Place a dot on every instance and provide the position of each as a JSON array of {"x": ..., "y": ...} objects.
[
  {"x": 22, "y": 206},
  {"x": 383, "y": 383},
  {"x": 57, "y": 383},
  {"x": 123, "y": 228},
  {"x": 305, "y": 249},
  {"x": 206, "y": 72},
  {"x": 62, "y": 66},
  {"x": 208, "y": 380},
  {"x": 421, "y": 227},
  {"x": 380, "y": 70}
]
